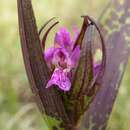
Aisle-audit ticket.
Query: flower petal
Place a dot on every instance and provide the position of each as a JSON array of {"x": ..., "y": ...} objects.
[
  {"x": 60, "y": 57},
  {"x": 62, "y": 39},
  {"x": 49, "y": 56},
  {"x": 58, "y": 41},
  {"x": 66, "y": 36},
  {"x": 59, "y": 78},
  {"x": 74, "y": 58},
  {"x": 97, "y": 67}
]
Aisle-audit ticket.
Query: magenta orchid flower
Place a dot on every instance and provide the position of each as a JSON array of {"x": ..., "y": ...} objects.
[
  {"x": 64, "y": 55},
  {"x": 63, "y": 58}
]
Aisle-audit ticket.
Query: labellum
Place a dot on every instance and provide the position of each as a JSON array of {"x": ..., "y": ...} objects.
[{"x": 64, "y": 78}]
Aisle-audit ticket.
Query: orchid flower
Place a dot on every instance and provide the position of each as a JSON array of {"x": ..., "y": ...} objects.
[
  {"x": 64, "y": 58},
  {"x": 72, "y": 67}
]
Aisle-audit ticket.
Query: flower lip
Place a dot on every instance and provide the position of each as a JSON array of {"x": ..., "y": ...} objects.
[{"x": 60, "y": 78}]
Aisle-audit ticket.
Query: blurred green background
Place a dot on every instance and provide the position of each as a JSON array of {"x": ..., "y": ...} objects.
[{"x": 17, "y": 109}]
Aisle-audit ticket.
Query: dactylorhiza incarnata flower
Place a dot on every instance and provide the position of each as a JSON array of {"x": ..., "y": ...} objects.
[{"x": 63, "y": 57}]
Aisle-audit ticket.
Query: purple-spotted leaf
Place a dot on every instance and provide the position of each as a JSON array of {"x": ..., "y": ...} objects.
[{"x": 116, "y": 31}]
